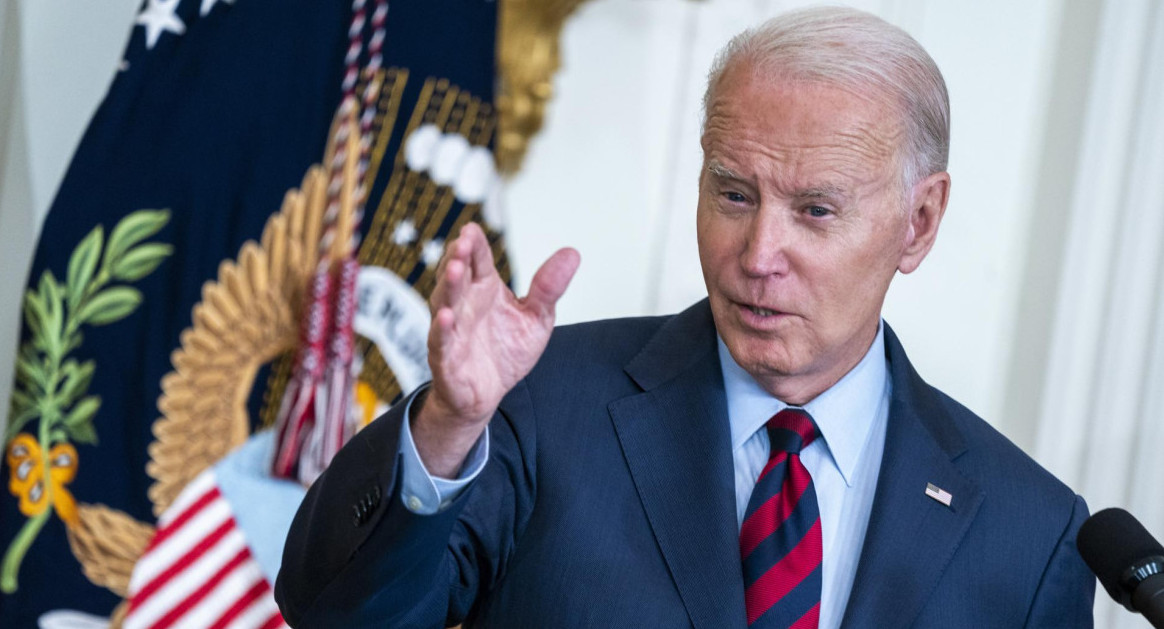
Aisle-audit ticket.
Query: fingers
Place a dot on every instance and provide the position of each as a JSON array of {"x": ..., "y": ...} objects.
[
  {"x": 551, "y": 280},
  {"x": 460, "y": 254},
  {"x": 451, "y": 285},
  {"x": 480, "y": 253},
  {"x": 456, "y": 249},
  {"x": 456, "y": 281},
  {"x": 467, "y": 258},
  {"x": 443, "y": 321},
  {"x": 471, "y": 247},
  {"x": 483, "y": 259}
]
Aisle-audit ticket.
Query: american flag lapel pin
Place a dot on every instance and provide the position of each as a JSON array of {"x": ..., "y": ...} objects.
[{"x": 939, "y": 494}]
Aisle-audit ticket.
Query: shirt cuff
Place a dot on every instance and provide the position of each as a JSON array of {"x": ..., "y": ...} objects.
[{"x": 423, "y": 493}]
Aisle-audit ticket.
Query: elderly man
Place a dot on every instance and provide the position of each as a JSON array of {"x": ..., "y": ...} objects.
[{"x": 766, "y": 458}]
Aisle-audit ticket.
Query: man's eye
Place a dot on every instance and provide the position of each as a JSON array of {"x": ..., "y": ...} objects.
[
  {"x": 817, "y": 211},
  {"x": 735, "y": 197}
]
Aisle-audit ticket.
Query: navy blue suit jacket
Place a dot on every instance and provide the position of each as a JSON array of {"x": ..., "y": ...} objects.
[{"x": 608, "y": 501}]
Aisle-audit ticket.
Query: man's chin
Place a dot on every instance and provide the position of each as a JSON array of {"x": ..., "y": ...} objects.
[{"x": 762, "y": 358}]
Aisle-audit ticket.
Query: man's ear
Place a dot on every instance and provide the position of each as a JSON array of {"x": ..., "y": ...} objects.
[{"x": 927, "y": 204}]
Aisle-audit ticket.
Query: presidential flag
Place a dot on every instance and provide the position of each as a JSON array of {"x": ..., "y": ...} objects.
[{"x": 161, "y": 319}]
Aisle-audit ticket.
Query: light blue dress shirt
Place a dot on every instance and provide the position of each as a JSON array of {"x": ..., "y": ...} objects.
[
  {"x": 422, "y": 492},
  {"x": 844, "y": 463}
]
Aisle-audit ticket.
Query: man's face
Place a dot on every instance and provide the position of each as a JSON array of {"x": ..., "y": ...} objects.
[{"x": 801, "y": 226}]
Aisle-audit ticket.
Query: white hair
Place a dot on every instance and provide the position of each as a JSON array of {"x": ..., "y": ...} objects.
[{"x": 856, "y": 51}]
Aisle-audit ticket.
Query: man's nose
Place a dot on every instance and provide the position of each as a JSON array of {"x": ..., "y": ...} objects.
[{"x": 766, "y": 243}]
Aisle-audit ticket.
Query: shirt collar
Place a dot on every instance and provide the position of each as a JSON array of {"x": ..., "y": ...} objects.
[{"x": 844, "y": 413}]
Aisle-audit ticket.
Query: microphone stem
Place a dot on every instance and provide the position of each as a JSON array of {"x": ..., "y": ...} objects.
[{"x": 1148, "y": 599}]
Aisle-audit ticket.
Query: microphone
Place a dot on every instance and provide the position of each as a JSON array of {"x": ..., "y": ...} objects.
[{"x": 1128, "y": 561}]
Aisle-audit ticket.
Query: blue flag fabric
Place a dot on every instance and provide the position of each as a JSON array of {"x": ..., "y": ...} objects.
[{"x": 219, "y": 108}]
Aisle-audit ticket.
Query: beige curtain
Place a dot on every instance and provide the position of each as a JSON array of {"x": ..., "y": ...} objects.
[{"x": 1101, "y": 417}]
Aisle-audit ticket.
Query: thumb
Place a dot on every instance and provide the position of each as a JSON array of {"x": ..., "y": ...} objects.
[{"x": 551, "y": 280}]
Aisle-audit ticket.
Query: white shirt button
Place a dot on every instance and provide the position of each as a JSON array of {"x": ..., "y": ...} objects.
[{"x": 414, "y": 503}]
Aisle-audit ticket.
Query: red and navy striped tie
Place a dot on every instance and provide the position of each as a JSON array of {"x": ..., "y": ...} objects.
[{"x": 780, "y": 538}]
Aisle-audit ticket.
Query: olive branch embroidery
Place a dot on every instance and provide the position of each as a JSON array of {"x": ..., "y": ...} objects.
[{"x": 52, "y": 387}]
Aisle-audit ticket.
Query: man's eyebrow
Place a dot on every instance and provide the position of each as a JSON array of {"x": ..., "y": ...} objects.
[
  {"x": 719, "y": 170},
  {"x": 821, "y": 192}
]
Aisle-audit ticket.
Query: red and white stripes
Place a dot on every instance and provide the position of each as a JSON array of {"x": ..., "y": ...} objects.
[{"x": 198, "y": 570}]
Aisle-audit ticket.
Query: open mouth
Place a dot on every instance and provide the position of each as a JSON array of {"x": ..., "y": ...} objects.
[
  {"x": 760, "y": 314},
  {"x": 761, "y": 320}
]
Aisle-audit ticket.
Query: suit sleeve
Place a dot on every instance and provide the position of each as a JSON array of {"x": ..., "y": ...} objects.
[
  {"x": 390, "y": 566},
  {"x": 1066, "y": 593}
]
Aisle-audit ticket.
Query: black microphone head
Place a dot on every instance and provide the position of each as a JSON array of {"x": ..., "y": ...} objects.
[{"x": 1114, "y": 544}]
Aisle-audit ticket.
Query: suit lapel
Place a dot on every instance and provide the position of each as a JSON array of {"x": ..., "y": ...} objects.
[
  {"x": 676, "y": 440},
  {"x": 911, "y": 536},
  {"x": 677, "y": 444}
]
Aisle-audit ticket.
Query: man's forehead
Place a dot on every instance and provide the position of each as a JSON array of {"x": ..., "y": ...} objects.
[
  {"x": 804, "y": 125},
  {"x": 773, "y": 103}
]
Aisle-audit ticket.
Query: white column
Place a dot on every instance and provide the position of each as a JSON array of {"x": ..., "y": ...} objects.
[
  {"x": 56, "y": 62},
  {"x": 17, "y": 219}
]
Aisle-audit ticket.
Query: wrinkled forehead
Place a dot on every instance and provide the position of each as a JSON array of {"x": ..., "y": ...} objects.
[
  {"x": 791, "y": 119},
  {"x": 746, "y": 72}
]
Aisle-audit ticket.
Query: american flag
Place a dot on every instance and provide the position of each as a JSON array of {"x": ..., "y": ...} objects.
[
  {"x": 939, "y": 494},
  {"x": 218, "y": 108},
  {"x": 199, "y": 571}
]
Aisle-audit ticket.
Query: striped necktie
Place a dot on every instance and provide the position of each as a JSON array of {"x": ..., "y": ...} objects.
[{"x": 780, "y": 540}]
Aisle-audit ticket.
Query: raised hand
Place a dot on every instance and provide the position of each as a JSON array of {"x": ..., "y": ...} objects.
[{"x": 483, "y": 340}]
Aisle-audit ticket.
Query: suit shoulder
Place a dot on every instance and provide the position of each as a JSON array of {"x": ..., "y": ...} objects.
[
  {"x": 589, "y": 359},
  {"x": 980, "y": 450},
  {"x": 608, "y": 341},
  {"x": 1005, "y": 466}
]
